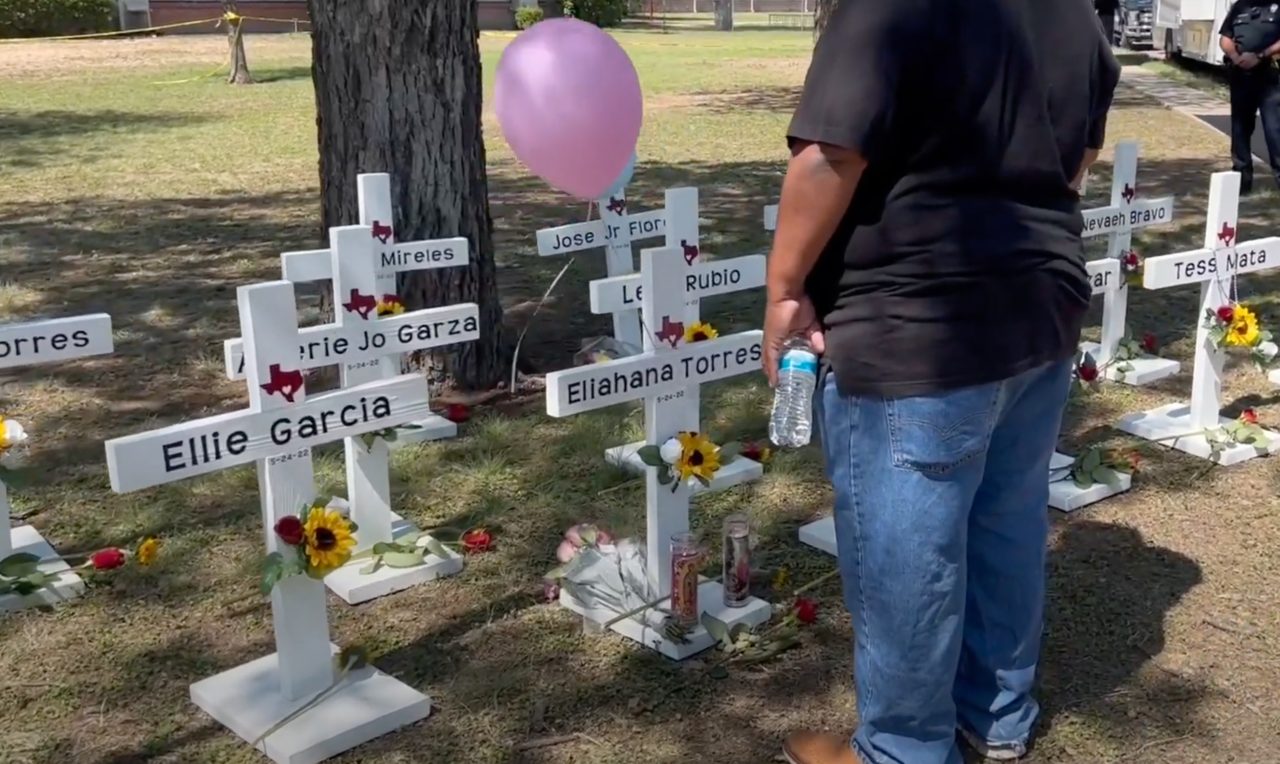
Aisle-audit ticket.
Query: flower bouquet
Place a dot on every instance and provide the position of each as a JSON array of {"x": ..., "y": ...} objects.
[
  {"x": 688, "y": 456},
  {"x": 1099, "y": 465},
  {"x": 1236, "y": 326},
  {"x": 1244, "y": 431},
  {"x": 602, "y": 573},
  {"x": 318, "y": 541}
]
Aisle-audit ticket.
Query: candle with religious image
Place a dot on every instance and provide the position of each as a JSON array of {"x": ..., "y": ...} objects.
[
  {"x": 686, "y": 559},
  {"x": 737, "y": 560}
]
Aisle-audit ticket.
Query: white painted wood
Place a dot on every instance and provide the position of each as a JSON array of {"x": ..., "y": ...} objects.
[
  {"x": 1222, "y": 258},
  {"x": 707, "y": 279},
  {"x": 27, "y": 344},
  {"x": 277, "y": 432},
  {"x": 667, "y": 369},
  {"x": 1066, "y": 496},
  {"x": 820, "y": 534},
  {"x": 391, "y": 257},
  {"x": 1103, "y": 275},
  {"x": 615, "y": 231},
  {"x": 57, "y": 339},
  {"x": 1118, "y": 221},
  {"x": 771, "y": 217}
]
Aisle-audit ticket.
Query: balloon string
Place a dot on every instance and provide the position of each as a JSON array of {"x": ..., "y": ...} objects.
[{"x": 515, "y": 356}]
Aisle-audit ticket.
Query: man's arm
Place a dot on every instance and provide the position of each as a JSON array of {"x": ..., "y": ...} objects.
[{"x": 1090, "y": 156}]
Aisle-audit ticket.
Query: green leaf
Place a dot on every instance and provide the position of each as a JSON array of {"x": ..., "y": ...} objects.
[
  {"x": 557, "y": 573},
  {"x": 717, "y": 628},
  {"x": 390, "y": 436},
  {"x": 665, "y": 477},
  {"x": 729, "y": 451},
  {"x": 705, "y": 483},
  {"x": 19, "y": 565},
  {"x": 403, "y": 559},
  {"x": 372, "y": 567},
  {"x": 382, "y": 547},
  {"x": 435, "y": 547},
  {"x": 1107, "y": 477},
  {"x": 1081, "y": 480},
  {"x": 588, "y": 536},
  {"x": 1091, "y": 460},
  {"x": 651, "y": 456},
  {"x": 6, "y": 586}
]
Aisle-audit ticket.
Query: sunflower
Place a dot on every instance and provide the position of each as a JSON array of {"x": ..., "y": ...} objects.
[
  {"x": 699, "y": 331},
  {"x": 390, "y": 305},
  {"x": 328, "y": 539},
  {"x": 148, "y": 550},
  {"x": 699, "y": 457},
  {"x": 1243, "y": 332}
]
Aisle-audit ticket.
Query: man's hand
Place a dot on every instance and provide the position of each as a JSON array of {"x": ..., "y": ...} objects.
[
  {"x": 783, "y": 318},
  {"x": 1247, "y": 60}
]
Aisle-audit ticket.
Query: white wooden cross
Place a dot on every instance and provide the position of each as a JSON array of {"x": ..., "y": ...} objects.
[
  {"x": 618, "y": 294},
  {"x": 1118, "y": 221},
  {"x": 1213, "y": 267},
  {"x": 365, "y": 340},
  {"x": 391, "y": 258},
  {"x": 277, "y": 433},
  {"x": 616, "y": 230},
  {"x": 667, "y": 366},
  {"x": 28, "y": 344}
]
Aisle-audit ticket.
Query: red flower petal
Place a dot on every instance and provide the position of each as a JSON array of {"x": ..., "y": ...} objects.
[
  {"x": 1150, "y": 343},
  {"x": 289, "y": 529},
  {"x": 1249, "y": 416},
  {"x": 806, "y": 610},
  {"x": 476, "y": 540},
  {"x": 457, "y": 413},
  {"x": 107, "y": 559},
  {"x": 1226, "y": 314}
]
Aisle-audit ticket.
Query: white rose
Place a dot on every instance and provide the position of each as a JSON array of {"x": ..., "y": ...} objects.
[
  {"x": 1268, "y": 350},
  {"x": 13, "y": 433},
  {"x": 670, "y": 451},
  {"x": 12, "y": 460}
]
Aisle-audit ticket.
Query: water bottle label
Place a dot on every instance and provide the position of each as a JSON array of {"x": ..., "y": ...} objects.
[{"x": 799, "y": 360}]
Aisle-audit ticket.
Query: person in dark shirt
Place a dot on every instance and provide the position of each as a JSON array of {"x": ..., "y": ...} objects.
[
  {"x": 1250, "y": 39},
  {"x": 1107, "y": 15},
  {"x": 928, "y": 246}
]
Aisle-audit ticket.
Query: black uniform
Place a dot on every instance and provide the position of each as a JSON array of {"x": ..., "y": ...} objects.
[
  {"x": 1107, "y": 15},
  {"x": 1254, "y": 25}
]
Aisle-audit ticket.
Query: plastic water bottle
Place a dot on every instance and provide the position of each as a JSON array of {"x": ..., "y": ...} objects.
[{"x": 791, "y": 423}]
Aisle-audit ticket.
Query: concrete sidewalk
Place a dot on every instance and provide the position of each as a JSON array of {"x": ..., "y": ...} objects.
[{"x": 1195, "y": 103}]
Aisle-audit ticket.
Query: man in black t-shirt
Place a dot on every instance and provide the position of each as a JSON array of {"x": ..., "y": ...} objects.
[
  {"x": 1250, "y": 40},
  {"x": 928, "y": 246}
]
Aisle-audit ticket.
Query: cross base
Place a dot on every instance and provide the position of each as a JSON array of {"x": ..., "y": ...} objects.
[
  {"x": 355, "y": 587},
  {"x": 821, "y": 535},
  {"x": 740, "y": 470},
  {"x": 247, "y": 700},
  {"x": 1066, "y": 496},
  {"x": 26, "y": 538},
  {"x": 1170, "y": 424},
  {"x": 434, "y": 427},
  {"x": 649, "y": 633},
  {"x": 1146, "y": 369},
  {"x": 1274, "y": 377}
]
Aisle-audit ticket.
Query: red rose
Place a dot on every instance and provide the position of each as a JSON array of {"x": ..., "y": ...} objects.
[
  {"x": 1131, "y": 260},
  {"x": 1134, "y": 461},
  {"x": 751, "y": 450},
  {"x": 1150, "y": 343},
  {"x": 457, "y": 413},
  {"x": 289, "y": 529},
  {"x": 108, "y": 559},
  {"x": 1249, "y": 416},
  {"x": 806, "y": 610},
  {"x": 1087, "y": 372},
  {"x": 476, "y": 540},
  {"x": 1226, "y": 314}
]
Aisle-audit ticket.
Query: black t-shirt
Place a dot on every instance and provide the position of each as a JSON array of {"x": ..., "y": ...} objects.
[
  {"x": 959, "y": 261},
  {"x": 1254, "y": 25}
]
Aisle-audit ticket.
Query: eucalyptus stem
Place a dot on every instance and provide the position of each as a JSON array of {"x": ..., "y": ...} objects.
[{"x": 642, "y": 608}]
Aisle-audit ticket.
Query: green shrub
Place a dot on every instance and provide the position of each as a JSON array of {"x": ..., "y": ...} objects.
[
  {"x": 602, "y": 13},
  {"x": 49, "y": 18},
  {"x": 528, "y": 16}
]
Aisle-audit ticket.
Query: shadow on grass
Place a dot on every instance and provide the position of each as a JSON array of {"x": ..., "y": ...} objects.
[{"x": 26, "y": 138}]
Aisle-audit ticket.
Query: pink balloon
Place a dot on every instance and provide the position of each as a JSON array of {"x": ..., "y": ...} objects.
[{"x": 568, "y": 99}]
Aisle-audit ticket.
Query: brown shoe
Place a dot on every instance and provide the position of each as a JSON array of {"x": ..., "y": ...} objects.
[{"x": 818, "y": 748}]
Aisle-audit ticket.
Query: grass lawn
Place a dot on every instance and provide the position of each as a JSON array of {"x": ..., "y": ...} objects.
[{"x": 132, "y": 188}]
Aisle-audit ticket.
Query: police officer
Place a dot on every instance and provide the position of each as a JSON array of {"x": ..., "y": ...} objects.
[{"x": 1251, "y": 41}]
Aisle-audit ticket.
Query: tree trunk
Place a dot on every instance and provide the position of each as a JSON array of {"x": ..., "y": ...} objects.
[
  {"x": 239, "y": 74},
  {"x": 821, "y": 14},
  {"x": 398, "y": 90},
  {"x": 724, "y": 15}
]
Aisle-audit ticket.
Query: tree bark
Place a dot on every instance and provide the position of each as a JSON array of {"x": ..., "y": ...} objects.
[
  {"x": 398, "y": 90},
  {"x": 239, "y": 74},
  {"x": 724, "y": 15}
]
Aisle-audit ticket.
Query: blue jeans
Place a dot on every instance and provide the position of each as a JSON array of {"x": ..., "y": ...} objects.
[{"x": 941, "y": 525}]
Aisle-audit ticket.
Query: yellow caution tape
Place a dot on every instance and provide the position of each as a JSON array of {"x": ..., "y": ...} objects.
[
  {"x": 220, "y": 68},
  {"x": 117, "y": 33}
]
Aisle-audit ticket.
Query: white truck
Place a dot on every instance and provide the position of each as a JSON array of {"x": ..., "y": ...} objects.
[{"x": 1189, "y": 28}]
